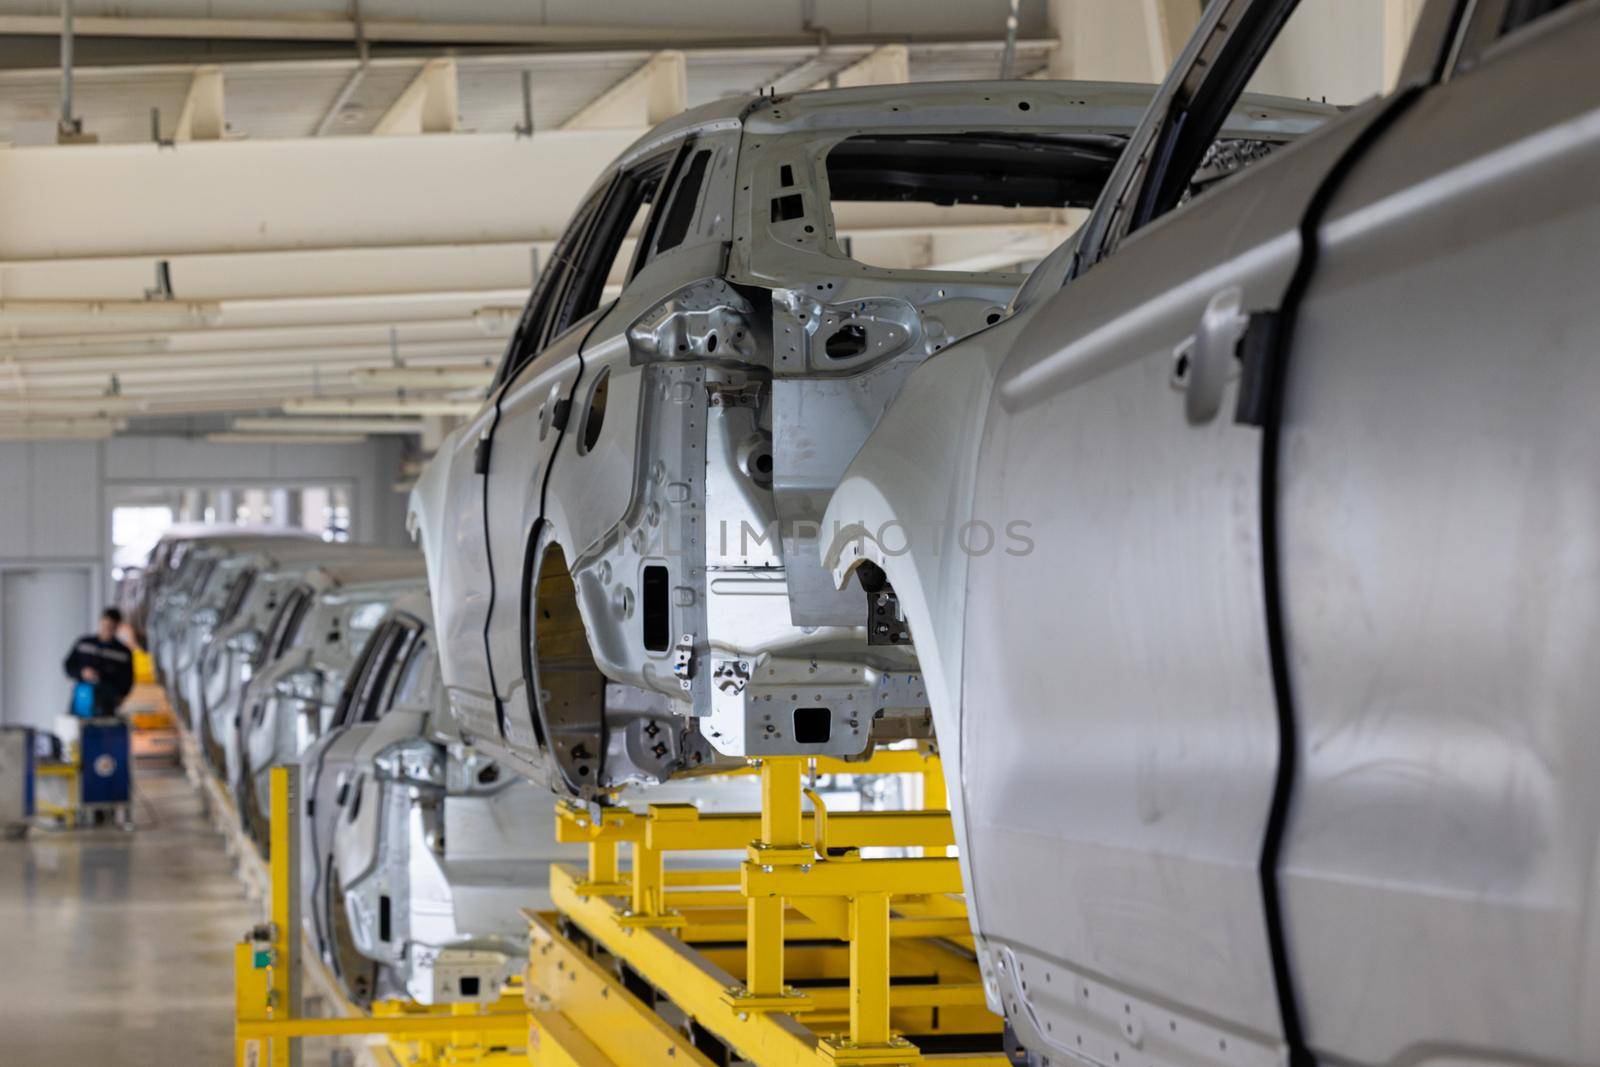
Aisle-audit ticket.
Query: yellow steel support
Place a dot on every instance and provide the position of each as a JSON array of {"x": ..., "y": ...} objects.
[
  {"x": 268, "y": 1025},
  {"x": 564, "y": 983},
  {"x": 682, "y": 828},
  {"x": 781, "y": 845},
  {"x": 869, "y": 969},
  {"x": 877, "y": 941},
  {"x": 68, "y": 772}
]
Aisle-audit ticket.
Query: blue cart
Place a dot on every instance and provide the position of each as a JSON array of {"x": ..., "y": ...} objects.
[{"x": 105, "y": 767}]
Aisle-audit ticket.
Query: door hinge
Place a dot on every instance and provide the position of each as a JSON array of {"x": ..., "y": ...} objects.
[
  {"x": 560, "y": 413},
  {"x": 1258, "y": 362},
  {"x": 480, "y": 455}
]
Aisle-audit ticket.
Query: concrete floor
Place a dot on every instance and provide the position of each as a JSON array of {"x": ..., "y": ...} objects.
[{"x": 117, "y": 948}]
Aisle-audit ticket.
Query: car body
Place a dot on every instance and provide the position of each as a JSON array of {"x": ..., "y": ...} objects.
[
  {"x": 622, "y": 543},
  {"x": 180, "y": 567},
  {"x": 1274, "y": 731},
  {"x": 237, "y": 646},
  {"x": 421, "y": 852},
  {"x": 316, "y": 636}
]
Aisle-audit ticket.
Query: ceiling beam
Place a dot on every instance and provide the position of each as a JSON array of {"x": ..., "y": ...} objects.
[
  {"x": 204, "y": 114},
  {"x": 653, "y": 93},
  {"x": 430, "y": 104},
  {"x": 296, "y": 195},
  {"x": 1119, "y": 40},
  {"x": 772, "y": 24},
  {"x": 888, "y": 64}
]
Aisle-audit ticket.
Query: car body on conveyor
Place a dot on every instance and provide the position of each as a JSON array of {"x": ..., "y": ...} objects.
[
  {"x": 1274, "y": 734},
  {"x": 421, "y": 852},
  {"x": 315, "y": 638},
  {"x": 238, "y": 646},
  {"x": 179, "y": 568},
  {"x": 622, "y": 542}
]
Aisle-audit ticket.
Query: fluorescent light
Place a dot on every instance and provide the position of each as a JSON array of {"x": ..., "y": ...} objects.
[
  {"x": 291, "y": 424},
  {"x": 146, "y": 313},
  {"x": 229, "y": 438},
  {"x": 23, "y": 406},
  {"x": 26, "y": 429},
  {"x": 381, "y": 406},
  {"x": 497, "y": 320},
  {"x": 425, "y": 377}
]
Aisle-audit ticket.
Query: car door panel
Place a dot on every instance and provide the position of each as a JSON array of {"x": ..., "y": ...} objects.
[
  {"x": 450, "y": 506},
  {"x": 587, "y": 475},
  {"x": 534, "y": 408},
  {"x": 1127, "y": 859},
  {"x": 1441, "y": 530},
  {"x": 356, "y": 834}
]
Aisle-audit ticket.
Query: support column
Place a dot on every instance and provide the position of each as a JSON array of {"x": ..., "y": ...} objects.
[
  {"x": 869, "y": 969},
  {"x": 780, "y": 844}
]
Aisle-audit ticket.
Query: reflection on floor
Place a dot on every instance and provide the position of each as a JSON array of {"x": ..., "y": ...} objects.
[{"x": 116, "y": 948}]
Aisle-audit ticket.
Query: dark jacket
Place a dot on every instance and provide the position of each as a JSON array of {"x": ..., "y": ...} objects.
[{"x": 114, "y": 662}]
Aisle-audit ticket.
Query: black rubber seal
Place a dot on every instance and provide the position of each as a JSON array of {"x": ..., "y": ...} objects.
[{"x": 1274, "y": 372}]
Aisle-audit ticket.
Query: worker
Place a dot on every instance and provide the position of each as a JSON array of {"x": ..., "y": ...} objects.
[{"x": 104, "y": 662}]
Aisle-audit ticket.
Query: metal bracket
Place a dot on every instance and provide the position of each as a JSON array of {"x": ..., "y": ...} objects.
[{"x": 683, "y": 661}]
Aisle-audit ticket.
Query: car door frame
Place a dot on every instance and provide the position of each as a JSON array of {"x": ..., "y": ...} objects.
[
  {"x": 1147, "y": 184},
  {"x": 540, "y": 387},
  {"x": 357, "y": 705}
]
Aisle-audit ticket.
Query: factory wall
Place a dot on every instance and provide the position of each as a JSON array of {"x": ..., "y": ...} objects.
[{"x": 55, "y": 536}]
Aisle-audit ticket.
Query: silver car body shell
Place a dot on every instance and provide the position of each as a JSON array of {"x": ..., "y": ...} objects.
[
  {"x": 228, "y": 659},
  {"x": 712, "y": 354},
  {"x": 1435, "y": 501},
  {"x": 191, "y": 555},
  {"x": 288, "y": 704},
  {"x": 438, "y": 849}
]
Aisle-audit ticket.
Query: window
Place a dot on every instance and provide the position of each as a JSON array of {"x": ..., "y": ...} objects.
[
  {"x": 998, "y": 177},
  {"x": 346, "y": 711},
  {"x": 241, "y": 589},
  {"x": 285, "y": 625},
  {"x": 584, "y": 260},
  {"x": 415, "y": 683},
  {"x": 685, "y": 199},
  {"x": 1491, "y": 20},
  {"x": 1521, "y": 12},
  {"x": 1279, "y": 49}
]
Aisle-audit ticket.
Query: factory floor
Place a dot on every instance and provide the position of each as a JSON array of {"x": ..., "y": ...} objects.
[{"x": 116, "y": 948}]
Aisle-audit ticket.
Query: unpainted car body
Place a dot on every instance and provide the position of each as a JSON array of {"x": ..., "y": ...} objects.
[
  {"x": 315, "y": 638},
  {"x": 419, "y": 850},
  {"x": 240, "y": 645},
  {"x": 1274, "y": 738},
  {"x": 179, "y": 567},
  {"x": 622, "y": 543}
]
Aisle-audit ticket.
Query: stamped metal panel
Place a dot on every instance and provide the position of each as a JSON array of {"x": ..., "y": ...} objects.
[
  {"x": 1441, "y": 521},
  {"x": 447, "y": 513},
  {"x": 589, "y": 480},
  {"x": 531, "y": 414},
  {"x": 1120, "y": 732},
  {"x": 903, "y": 504}
]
